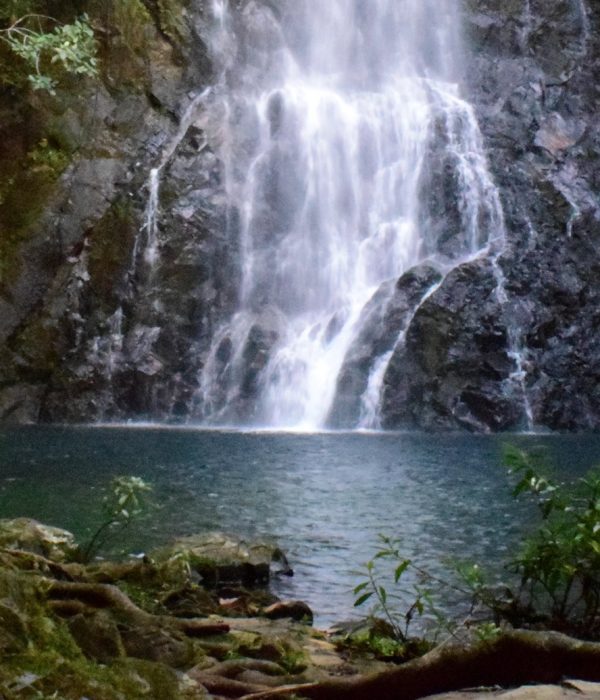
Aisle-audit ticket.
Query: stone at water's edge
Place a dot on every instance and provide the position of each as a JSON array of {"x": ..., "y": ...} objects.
[
  {"x": 214, "y": 559},
  {"x": 454, "y": 367},
  {"x": 117, "y": 640},
  {"x": 219, "y": 559},
  {"x": 570, "y": 690},
  {"x": 31, "y": 536},
  {"x": 289, "y": 609}
]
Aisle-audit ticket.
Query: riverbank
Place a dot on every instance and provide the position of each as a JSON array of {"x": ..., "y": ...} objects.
[{"x": 190, "y": 621}]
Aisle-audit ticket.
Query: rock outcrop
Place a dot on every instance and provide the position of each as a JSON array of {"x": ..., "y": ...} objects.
[
  {"x": 92, "y": 327},
  {"x": 532, "y": 76},
  {"x": 89, "y": 329}
]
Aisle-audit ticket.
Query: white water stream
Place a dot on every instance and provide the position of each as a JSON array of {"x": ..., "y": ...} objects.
[
  {"x": 150, "y": 225},
  {"x": 336, "y": 112}
]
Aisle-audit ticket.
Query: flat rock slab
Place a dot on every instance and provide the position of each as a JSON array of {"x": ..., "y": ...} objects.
[{"x": 582, "y": 690}]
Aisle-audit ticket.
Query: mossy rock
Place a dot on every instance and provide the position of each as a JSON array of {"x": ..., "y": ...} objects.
[
  {"x": 220, "y": 559},
  {"x": 39, "y": 345},
  {"x": 98, "y": 637},
  {"x": 160, "y": 644},
  {"x": 41, "y": 658},
  {"x": 31, "y": 536},
  {"x": 280, "y": 648},
  {"x": 111, "y": 242},
  {"x": 27, "y": 183},
  {"x": 170, "y": 17},
  {"x": 154, "y": 681}
]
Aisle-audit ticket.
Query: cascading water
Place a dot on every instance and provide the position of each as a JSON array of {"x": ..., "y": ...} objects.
[
  {"x": 150, "y": 225},
  {"x": 335, "y": 114}
]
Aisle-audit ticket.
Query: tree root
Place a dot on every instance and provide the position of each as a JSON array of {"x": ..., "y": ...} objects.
[
  {"x": 66, "y": 595},
  {"x": 515, "y": 658},
  {"x": 29, "y": 561},
  {"x": 227, "y": 687}
]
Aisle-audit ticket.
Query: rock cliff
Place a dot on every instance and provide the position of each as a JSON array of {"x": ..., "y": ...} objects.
[
  {"x": 92, "y": 329},
  {"x": 532, "y": 75}
]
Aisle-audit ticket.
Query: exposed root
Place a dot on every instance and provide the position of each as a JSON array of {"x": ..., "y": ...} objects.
[
  {"x": 515, "y": 658},
  {"x": 29, "y": 561},
  {"x": 63, "y": 594},
  {"x": 227, "y": 687}
]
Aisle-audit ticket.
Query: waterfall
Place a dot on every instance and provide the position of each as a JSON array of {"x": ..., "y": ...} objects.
[
  {"x": 337, "y": 114},
  {"x": 149, "y": 229}
]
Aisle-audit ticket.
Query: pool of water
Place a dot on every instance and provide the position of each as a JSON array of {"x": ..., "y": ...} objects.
[{"x": 324, "y": 498}]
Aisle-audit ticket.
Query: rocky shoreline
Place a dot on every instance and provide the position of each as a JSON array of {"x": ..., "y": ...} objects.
[
  {"x": 192, "y": 620},
  {"x": 180, "y": 624}
]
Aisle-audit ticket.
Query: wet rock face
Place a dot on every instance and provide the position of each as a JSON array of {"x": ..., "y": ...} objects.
[
  {"x": 89, "y": 330},
  {"x": 531, "y": 69},
  {"x": 453, "y": 370},
  {"x": 386, "y": 316},
  {"x": 534, "y": 88}
]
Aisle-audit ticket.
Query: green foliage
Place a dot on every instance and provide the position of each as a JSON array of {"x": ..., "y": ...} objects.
[
  {"x": 487, "y": 632},
  {"x": 376, "y": 639},
  {"x": 132, "y": 19},
  {"x": 557, "y": 570},
  {"x": 559, "y": 565},
  {"x": 124, "y": 503},
  {"x": 25, "y": 186},
  {"x": 46, "y": 157},
  {"x": 399, "y": 607},
  {"x": 11, "y": 9},
  {"x": 70, "y": 48},
  {"x": 292, "y": 660},
  {"x": 170, "y": 18}
]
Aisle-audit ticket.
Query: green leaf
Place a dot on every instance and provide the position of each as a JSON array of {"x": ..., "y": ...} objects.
[
  {"x": 383, "y": 553},
  {"x": 363, "y": 598},
  {"x": 360, "y": 587},
  {"x": 400, "y": 569}
]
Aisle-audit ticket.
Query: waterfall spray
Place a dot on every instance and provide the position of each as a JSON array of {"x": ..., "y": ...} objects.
[{"x": 336, "y": 115}]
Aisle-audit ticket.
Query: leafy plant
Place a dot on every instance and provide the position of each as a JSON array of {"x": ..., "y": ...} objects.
[
  {"x": 557, "y": 570},
  {"x": 70, "y": 47},
  {"x": 125, "y": 501},
  {"x": 559, "y": 565},
  {"x": 487, "y": 631},
  {"x": 400, "y": 607}
]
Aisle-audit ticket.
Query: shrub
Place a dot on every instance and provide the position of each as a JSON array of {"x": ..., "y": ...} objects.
[
  {"x": 125, "y": 501},
  {"x": 559, "y": 564},
  {"x": 69, "y": 47},
  {"x": 557, "y": 569}
]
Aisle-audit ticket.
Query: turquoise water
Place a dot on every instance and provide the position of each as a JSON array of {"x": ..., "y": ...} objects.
[{"x": 322, "y": 497}]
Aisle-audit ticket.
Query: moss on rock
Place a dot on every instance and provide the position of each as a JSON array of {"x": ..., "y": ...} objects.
[{"x": 111, "y": 243}]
